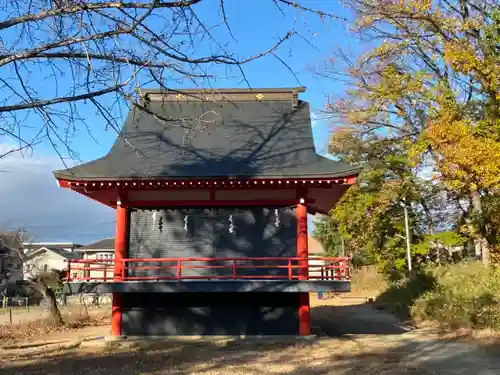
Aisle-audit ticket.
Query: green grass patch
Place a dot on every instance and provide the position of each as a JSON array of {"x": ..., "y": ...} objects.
[{"x": 465, "y": 295}]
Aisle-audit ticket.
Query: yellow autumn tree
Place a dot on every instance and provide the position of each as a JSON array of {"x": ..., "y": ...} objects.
[{"x": 428, "y": 90}]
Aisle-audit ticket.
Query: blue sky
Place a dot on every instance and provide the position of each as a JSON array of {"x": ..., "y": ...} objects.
[{"x": 255, "y": 26}]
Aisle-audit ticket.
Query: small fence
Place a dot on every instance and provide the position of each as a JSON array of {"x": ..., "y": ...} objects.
[
  {"x": 90, "y": 300},
  {"x": 13, "y": 312},
  {"x": 25, "y": 302}
]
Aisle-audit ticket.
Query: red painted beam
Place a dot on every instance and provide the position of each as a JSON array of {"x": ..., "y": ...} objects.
[
  {"x": 293, "y": 182},
  {"x": 211, "y": 203}
]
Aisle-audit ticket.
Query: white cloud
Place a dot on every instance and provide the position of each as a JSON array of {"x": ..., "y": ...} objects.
[{"x": 31, "y": 199}]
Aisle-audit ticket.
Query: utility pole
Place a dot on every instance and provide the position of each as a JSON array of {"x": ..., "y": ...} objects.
[
  {"x": 408, "y": 241},
  {"x": 407, "y": 236}
]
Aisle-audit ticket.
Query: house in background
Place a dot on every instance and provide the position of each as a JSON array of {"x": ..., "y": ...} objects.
[
  {"x": 11, "y": 269},
  {"x": 45, "y": 259},
  {"x": 100, "y": 250},
  {"x": 315, "y": 249}
]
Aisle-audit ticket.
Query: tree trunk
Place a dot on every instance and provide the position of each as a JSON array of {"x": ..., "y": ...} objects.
[
  {"x": 480, "y": 241},
  {"x": 478, "y": 248},
  {"x": 50, "y": 299}
]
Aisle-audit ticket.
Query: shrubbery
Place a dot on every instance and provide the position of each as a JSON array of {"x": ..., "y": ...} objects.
[{"x": 459, "y": 295}]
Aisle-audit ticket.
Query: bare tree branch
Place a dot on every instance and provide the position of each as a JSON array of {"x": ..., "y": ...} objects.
[
  {"x": 60, "y": 59},
  {"x": 83, "y": 6}
]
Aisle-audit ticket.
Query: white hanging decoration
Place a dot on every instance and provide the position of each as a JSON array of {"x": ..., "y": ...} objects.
[
  {"x": 154, "y": 219},
  {"x": 231, "y": 224},
  {"x": 186, "y": 223},
  {"x": 277, "y": 221}
]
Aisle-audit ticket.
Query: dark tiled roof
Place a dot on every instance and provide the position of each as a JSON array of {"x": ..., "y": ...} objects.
[
  {"x": 201, "y": 139},
  {"x": 107, "y": 244}
]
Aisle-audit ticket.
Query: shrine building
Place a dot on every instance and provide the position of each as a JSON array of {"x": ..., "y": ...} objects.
[{"x": 211, "y": 190}]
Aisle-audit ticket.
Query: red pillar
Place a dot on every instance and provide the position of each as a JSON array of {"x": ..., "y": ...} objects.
[
  {"x": 303, "y": 252},
  {"x": 304, "y": 315},
  {"x": 120, "y": 253}
]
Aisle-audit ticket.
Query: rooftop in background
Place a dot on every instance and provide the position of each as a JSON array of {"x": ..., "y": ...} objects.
[
  {"x": 67, "y": 247},
  {"x": 214, "y": 133},
  {"x": 57, "y": 250},
  {"x": 106, "y": 244},
  {"x": 50, "y": 244}
]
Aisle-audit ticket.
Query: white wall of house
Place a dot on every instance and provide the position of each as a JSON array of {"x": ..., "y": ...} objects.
[
  {"x": 315, "y": 266},
  {"x": 99, "y": 271},
  {"x": 43, "y": 261}
]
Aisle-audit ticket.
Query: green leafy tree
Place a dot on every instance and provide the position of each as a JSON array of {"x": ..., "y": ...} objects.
[
  {"x": 426, "y": 94},
  {"x": 327, "y": 233}
]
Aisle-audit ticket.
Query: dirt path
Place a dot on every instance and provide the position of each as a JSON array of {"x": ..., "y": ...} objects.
[
  {"x": 380, "y": 332},
  {"x": 356, "y": 340}
]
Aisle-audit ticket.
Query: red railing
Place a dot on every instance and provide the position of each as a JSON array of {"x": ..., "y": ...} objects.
[{"x": 257, "y": 268}]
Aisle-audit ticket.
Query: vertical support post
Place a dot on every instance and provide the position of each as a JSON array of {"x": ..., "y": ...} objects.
[
  {"x": 302, "y": 254},
  {"x": 68, "y": 272},
  {"x": 179, "y": 269},
  {"x": 304, "y": 315},
  {"x": 86, "y": 268},
  {"x": 120, "y": 254},
  {"x": 347, "y": 269},
  {"x": 302, "y": 250}
]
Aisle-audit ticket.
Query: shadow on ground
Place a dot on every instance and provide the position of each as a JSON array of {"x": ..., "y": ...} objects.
[
  {"x": 379, "y": 347},
  {"x": 355, "y": 319},
  {"x": 323, "y": 356}
]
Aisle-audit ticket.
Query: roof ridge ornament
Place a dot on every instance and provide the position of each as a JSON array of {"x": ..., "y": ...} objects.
[{"x": 223, "y": 95}]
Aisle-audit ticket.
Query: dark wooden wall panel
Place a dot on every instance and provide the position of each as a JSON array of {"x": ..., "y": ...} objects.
[
  {"x": 213, "y": 232},
  {"x": 210, "y": 314}
]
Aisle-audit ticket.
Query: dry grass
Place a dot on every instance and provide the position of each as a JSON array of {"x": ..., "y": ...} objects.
[
  {"x": 486, "y": 338},
  {"x": 367, "y": 281},
  {"x": 74, "y": 319}
]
